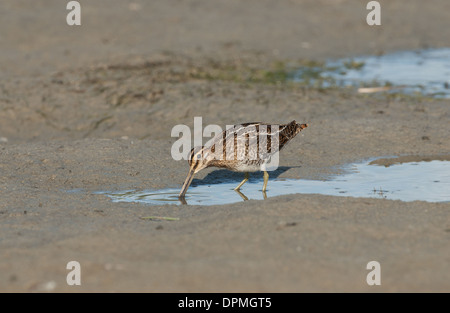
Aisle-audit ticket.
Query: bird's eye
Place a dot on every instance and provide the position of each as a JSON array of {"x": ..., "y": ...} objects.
[{"x": 199, "y": 156}]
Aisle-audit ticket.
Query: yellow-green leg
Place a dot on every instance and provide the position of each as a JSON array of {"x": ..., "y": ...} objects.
[
  {"x": 242, "y": 182},
  {"x": 266, "y": 179}
]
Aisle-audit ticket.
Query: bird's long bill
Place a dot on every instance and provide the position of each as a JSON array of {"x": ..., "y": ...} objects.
[{"x": 186, "y": 184}]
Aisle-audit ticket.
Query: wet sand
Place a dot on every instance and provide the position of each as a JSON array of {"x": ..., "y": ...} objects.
[{"x": 91, "y": 108}]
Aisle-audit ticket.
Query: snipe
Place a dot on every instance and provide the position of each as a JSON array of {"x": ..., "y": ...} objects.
[{"x": 243, "y": 148}]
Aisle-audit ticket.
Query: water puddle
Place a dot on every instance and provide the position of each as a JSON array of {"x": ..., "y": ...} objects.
[
  {"x": 425, "y": 71},
  {"x": 404, "y": 178}
]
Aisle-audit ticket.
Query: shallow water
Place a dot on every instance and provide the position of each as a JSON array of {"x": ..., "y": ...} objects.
[
  {"x": 424, "y": 71},
  {"x": 427, "y": 181}
]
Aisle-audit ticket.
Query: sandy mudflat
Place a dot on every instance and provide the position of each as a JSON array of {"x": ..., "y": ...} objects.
[{"x": 90, "y": 108}]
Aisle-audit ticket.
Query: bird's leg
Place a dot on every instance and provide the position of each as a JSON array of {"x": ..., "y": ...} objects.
[
  {"x": 242, "y": 182},
  {"x": 266, "y": 179}
]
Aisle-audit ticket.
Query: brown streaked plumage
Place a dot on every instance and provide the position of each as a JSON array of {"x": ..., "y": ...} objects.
[{"x": 244, "y": 148}]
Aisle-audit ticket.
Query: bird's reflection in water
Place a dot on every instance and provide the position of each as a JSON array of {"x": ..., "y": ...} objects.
[
  {"x": 244, "y": 197},
  {"x": 182, "y": 200},
  {"x": 240, "y": 193},
  {"x": 228, "y": 185}
]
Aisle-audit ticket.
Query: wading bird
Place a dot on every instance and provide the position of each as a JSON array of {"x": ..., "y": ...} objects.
[{"x": 244, "y": 148}]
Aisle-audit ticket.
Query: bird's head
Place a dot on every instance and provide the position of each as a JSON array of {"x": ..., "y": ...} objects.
[{"x": 199, "y": 158}]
